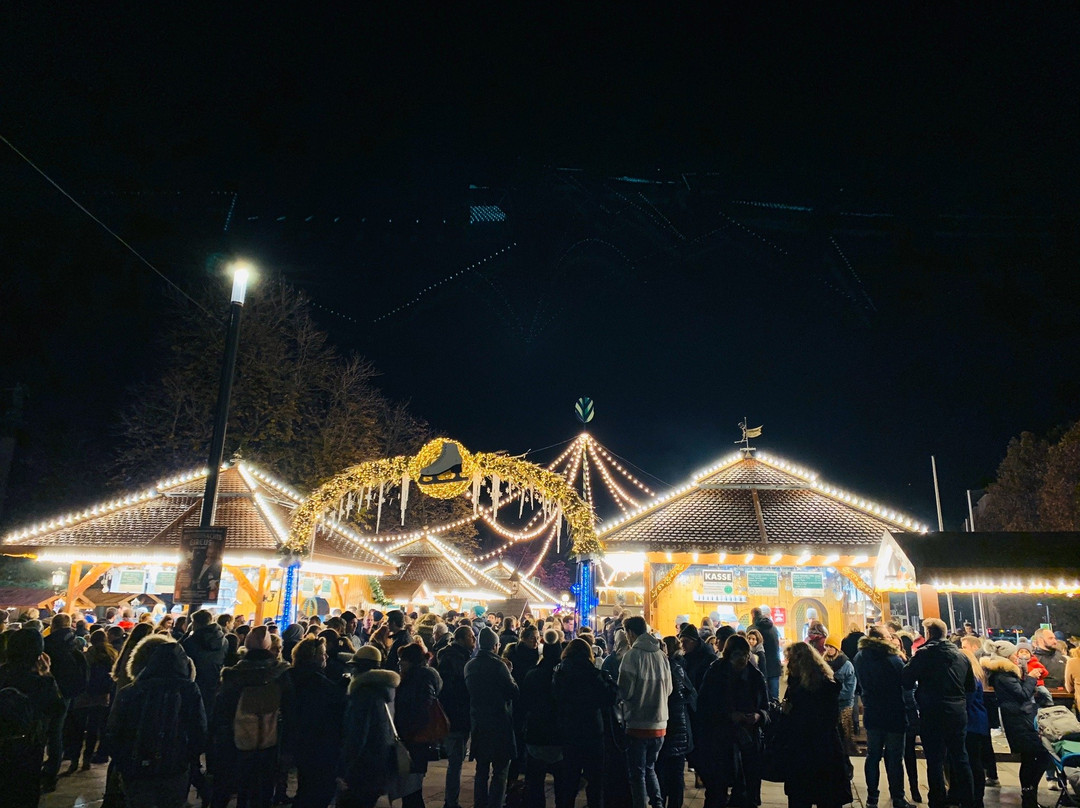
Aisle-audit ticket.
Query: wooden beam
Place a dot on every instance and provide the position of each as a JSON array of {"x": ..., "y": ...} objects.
[
  {"x": 339, "y": 590},
  {"x": 260, "y": 600},
  {"x": 78, "y": 584},
  {"x": 928, "y": 602},
  {"x": 243, "y": 582}
]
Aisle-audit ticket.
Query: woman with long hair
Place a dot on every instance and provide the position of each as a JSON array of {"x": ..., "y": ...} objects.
[
  {"x": 757, "y": 648},
  {"x": 819, "y": 771},
  {"x": 120, "y": 669},
  {"x": 582, "y": 694},
  {"x": 978, "y": 725}
]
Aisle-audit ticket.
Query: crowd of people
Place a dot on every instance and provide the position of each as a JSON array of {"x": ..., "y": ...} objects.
[{"x": 358, "y": 705}]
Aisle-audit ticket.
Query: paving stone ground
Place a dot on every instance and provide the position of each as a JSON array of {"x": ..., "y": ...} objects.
[{"x": 84, "y": 789}]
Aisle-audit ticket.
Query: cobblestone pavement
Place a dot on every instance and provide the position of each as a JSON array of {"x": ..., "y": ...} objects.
[{"x": 84, "y": 789}]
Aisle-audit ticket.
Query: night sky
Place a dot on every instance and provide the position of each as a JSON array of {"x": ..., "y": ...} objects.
[{"x": 858, "y": 229}]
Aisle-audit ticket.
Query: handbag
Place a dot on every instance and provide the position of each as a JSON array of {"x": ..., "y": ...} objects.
[
  {"x": 777, "y": 750},
  {"x": 437, "y": 726},
  {"x": 401, "y": 761}
]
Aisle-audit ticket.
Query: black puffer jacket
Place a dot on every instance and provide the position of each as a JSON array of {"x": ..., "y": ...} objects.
[
  {"x": 679, "y": 740},
  {"x": 944, "y": 679},
  {"x": 879, "y": 671},
  {"x": 537, "y": 705},
  {"x": 583, "y": 693},
  {"x": 206, "y": 646},
  {"x": 1015, "y": 698},
  {"x": 455, "y": 695}
]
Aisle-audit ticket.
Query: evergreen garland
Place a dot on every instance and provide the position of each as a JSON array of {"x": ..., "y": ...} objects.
[{"x": 377, "y": 593}]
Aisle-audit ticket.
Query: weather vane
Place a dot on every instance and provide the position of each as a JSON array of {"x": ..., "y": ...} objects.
[
  {"x": 584, "y": 409},
  {"x": 747, "y": 433}
]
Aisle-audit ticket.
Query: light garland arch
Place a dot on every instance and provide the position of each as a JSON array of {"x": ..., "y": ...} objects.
[{"x": 547, "y": 490}]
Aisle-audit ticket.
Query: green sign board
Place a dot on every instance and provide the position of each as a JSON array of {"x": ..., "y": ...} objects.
[
  {"x": 807, "y": 582},
  {"x": 165, "y": 581},
  {"x": 762, "y": 583}
]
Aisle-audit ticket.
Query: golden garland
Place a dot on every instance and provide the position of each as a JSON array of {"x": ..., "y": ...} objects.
[
  {"x": 667, "y": 580},
  {"x": 549, "y": 487}
]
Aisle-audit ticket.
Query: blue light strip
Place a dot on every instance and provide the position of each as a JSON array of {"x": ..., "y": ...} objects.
[
  {"x": 288, "y": 597},
  {"x": 585, "y": 592}
]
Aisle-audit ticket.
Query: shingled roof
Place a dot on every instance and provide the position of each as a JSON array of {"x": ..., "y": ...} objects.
[
  {"x": 255, "y": 509},
  {"x": 747, "y": 502},
  {"x": 428, "y": 561}
]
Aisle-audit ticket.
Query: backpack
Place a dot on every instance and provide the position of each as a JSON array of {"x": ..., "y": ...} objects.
[
  {"x": 1054, "y": 723},
  {"x": 20, "y": 726},
  {"x": 160, "y": 744},
  {"x": 255, "y": 723}
]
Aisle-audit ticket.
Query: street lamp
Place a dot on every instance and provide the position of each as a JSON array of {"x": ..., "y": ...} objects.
[
  {"x": 242, "y": 273},
  {"x": 57, "y": 579},
  {"x": 1047, "y": 607}
]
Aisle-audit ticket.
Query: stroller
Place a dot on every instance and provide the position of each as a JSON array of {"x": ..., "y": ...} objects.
[{"x": 1059, "y": 730}]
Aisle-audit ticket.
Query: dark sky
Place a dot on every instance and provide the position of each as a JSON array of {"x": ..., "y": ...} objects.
[{"x": 859, "y": 229}]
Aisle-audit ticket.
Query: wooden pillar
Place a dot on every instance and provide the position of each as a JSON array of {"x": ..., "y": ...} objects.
[
  {"x": 647, "y": 580},
  {"x": 886, "y": 607},
  {"x": 260, "y": 597},
  {"x": 928, "y": 602},
  {"x": 73, "y": 586}
]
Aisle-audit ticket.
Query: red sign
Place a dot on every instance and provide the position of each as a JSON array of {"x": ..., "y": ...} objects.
[{"x": 779, "y": 616}]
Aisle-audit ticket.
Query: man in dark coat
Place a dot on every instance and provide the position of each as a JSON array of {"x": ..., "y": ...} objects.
[
  {"x": 879, "y": 671},
  {"x": 206, "y": 646},
  {"x": 697, "y": 655},
  {"x": 69, "y": 669},
  {"x": 1048, "y": 653},
  {"x": 454, "y": 698},
  {"x": 320, "y": 710},
  {"x": 944, "y": 679},
  {"x": 156, "y": 770},
  {"x": 400, "y": 636},
  {"x": 523, "y": 657},
  {"x": 770, "y": 642},
  {"x": 27, "y": 670},
  {"x": 492, "y": 691}
]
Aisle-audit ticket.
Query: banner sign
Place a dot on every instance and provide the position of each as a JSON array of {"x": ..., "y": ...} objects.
[
  {"x": 165, "y": 581},
  {"x": 198, "y": 575},
  {"x": 762, "y": 583},
  {"x": 719, "y": 581},
  {"x": 129, "y": 582},
  {"x": 807, "y": 584}
]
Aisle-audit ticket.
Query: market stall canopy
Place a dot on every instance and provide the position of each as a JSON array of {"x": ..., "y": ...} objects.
[
  {"x": 145, "y": 527},
  {"x": 441, "y": 571},
  {"x": 1034, "y": 563},
  {"x": 756, "y": 504},
  {"x": 520, "y": 585}
]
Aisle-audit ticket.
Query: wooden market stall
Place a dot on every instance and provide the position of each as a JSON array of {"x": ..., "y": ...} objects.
[
  {"x": 131, "y": 545},
  {"x": 751, "y": 531}
]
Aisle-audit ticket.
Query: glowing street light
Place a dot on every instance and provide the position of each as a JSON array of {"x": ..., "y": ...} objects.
[{"x": 242, "y": 272}]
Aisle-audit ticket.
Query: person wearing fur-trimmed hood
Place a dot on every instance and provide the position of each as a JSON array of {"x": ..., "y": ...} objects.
[
  {"x": 366, "y": 751},
  {"x": 1015, "y": 691}
]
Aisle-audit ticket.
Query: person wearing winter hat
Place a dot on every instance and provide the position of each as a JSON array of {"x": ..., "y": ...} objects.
[
  {"x": 492, "y": 690},
  {"x": 27, "y": 671},
  {"x": 1015, "y": 691},
  {"x": 944, "y": 678},
  {"x": 241, "y": 763}
]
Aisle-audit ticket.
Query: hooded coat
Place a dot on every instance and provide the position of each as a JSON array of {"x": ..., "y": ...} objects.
[
  {"x": 257, "y": 667},
  {"x": 492, "y": 691},
  {"x": 367, "y": 761},
  {"x": 167, "y": 670},
  {"x": 1015, "y": 697},
  {"x": 944, "y": 678},
  {"x": 880, "y": 671},
  {"x": 771, "y": 642},
  {"x": 583, "y": 694},
  {"x": 645, "y": 684},
  {"x": 206, "y": 647}
]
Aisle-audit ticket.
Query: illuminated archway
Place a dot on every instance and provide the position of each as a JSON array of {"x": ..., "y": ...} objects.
[{"x": 445, "y": 469}]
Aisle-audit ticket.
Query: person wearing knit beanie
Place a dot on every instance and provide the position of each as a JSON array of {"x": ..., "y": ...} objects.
[
  {"x": 488, "y": 640},
  {"x": 258, "y": 638}
]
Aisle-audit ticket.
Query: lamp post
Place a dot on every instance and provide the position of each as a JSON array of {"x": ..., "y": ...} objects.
[
  {"x": 241, "y": 275},
  {"x": 1047, "y": 607}
]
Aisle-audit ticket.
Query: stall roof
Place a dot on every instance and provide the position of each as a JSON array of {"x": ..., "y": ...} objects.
[
  {"x": 746, "y": 502},
  {"x": 427, "y": 560},
  {"x": 146, "y": 525},
  {"x": 994, "y": 561}
]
